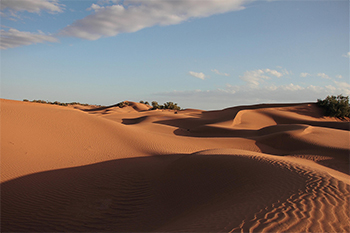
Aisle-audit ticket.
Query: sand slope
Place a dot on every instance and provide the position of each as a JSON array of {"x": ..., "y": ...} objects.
[{"x": 262, "y": 168}]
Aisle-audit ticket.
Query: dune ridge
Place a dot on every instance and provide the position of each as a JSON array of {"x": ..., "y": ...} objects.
[{"x": 259, "y": 168}]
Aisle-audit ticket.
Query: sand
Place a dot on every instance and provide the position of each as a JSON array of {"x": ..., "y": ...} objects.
[{"x": 259, "y": 168}]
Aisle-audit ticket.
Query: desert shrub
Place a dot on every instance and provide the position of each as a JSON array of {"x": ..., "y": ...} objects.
[
  {"x": 39, "y": 101},
  {"x": 167, "y": 105},
  {"x": 335, "y": 106},
  {"x": 122, "y": 104},
  {"x": 171, "y": 105},
  {"x": 155, "y": 105},
  {"x": 144, "y": 102},
  {"x": 57, "y": 103}
]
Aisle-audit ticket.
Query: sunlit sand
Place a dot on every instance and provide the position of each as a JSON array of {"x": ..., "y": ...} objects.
[{"x": 258, "y": 168}]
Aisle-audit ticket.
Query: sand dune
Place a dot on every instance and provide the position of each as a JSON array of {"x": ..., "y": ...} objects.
[{"x": 259, "y": 168}]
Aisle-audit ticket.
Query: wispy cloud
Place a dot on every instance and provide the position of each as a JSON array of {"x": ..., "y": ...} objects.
[
  {"x": 258, "y": 89},
  {"x": 343, "y": 87},
  {"x": 304, "y": 75},
  {"x": 323, "y": 75},
  {"x": 197, "y": 75},
  {"x": 346, "y": 55},
  {"x": 219, "y": 73},
  {"x": 134, "y": 15},
  {"x": 233, "y": 95},
  {"x": 14, "y": 38},
  {"x": 32, "y": 6},
  {"x": 273, "y": 72},
  {"x": 255, "y": 77}
]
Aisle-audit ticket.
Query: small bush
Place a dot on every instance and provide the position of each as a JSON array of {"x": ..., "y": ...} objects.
[
  {"x": 171, "y": 105},
  {"x": 167, "y": 105},
  {"x": 335, "y": 106},
  {"x": 144, "y": 102},
  {"x": 155, "y": 105},
  {"x": 25, "y": 100},
  {"x": 122, "y": 104}
]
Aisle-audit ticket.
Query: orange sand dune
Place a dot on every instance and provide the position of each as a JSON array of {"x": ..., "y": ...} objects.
[{"x": 259, "y": 168}]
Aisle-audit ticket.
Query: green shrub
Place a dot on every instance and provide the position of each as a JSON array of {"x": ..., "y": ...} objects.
[
  {"x": 144, "y": 102},
  {"x": 155, "y": 105},
  {"x": 122, "y": 104},
  {"x": 25, "y": 100},
  {"x": 171, "y": 105},
  {"x": 167, "y": 105},
  {"x": 335, "y": 106}
]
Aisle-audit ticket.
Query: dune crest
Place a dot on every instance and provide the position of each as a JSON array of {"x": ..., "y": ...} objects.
[{"x": 259, "y": 168}]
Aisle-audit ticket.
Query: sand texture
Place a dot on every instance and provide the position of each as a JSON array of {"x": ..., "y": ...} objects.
[{"x": 259, "y": 168}]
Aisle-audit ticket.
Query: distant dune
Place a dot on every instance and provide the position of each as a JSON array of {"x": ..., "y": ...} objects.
[{"x": 259, "y": 168}]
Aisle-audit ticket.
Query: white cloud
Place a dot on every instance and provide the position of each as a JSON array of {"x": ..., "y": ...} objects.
[
  {"x": 339, "y": 76},
  {"x": 304, "y": 75},
  {"x": 347, "y": 55},
  {"x": 104, "y": 2},
  {"x": 273, "y": 72},
  {"x": 14, "y": 38},
  {"x": 197, "y": 75},
  {"x": 255, "y": 77},
  {"x": 32, "y": 6},
  {"x": 343, "y": 87},
  {"x": 253, "y": 92},
  {"x": 323, "y": 75},
  {"x": 219, "y": 73},
  {"x": 233, "y": 95},
  {"x": 135, "y": 15},
  {"x": 291, "y": 87},
  {"x": 95, "y": 7}
]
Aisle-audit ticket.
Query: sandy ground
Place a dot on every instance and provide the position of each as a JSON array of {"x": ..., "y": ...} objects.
[{"x": 261, "y": 168}]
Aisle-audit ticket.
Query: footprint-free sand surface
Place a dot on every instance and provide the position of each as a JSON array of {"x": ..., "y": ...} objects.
[{"x": 259, "y": 168}]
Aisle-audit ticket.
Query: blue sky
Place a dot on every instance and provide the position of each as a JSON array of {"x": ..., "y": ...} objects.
[{"x": 206, "y": 54}]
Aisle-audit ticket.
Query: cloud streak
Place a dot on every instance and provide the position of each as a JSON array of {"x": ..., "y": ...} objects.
[
  {"x": 197, "y": 75},
  {"x": 14, "y": 38},
  {"x": 304, "y": 75},
  {"x": 346, "y": 55},
  {"x": 255, "y": 77},
  {"x": 241, "y": 95},
  {"x": 32, "y": 6},
  {"x": 135, "y": 15},
  {"x": 219, "y": 73},
  {"x": 323, "y": 75}
]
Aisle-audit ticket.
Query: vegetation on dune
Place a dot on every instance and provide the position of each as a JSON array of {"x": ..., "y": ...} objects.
[
  {"x": 56, "y": 103},
  {"x": 335, "y": 106},
  {"x": 167, "y": 105},
  {"x": 155, "y": 105},
  {"x": 123, "y": 104},
  {"x": 142, "y": 102}
]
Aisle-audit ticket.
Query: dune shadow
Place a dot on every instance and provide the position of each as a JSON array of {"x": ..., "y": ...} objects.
[
  {"x": 100, "y": 108},
  {"x": 107, "y": 196},
  {"x": 304, "y": 109},
  {"x": 201, "y": 126},
  {"x": 216, "y": 116},
  {"x": 133, "y": 121},
  {"x": 131, "y": 195},
  {"x": 146, "y": 194},
  {"x": 341, "y": 125}
]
